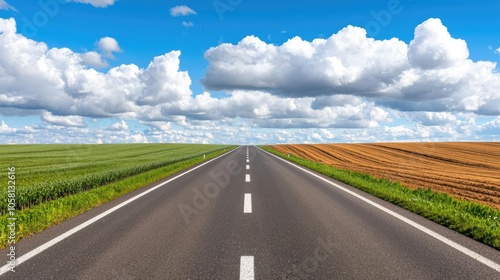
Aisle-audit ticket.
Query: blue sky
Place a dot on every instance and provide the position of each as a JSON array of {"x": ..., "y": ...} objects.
[{"x": 241, "y": 77}]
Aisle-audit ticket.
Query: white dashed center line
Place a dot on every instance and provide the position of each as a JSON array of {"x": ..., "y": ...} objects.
[
  {"x": 247, "y": 204},
  {"x": 246, "y": 268},
  {"x": 247, "y": 262}
]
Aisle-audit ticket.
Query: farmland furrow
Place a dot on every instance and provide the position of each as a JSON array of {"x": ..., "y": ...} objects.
[{"x": 465, "y": 170}]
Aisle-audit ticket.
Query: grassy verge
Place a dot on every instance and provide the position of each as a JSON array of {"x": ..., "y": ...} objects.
[
  {"x": 475, "y": 220},
  {"x": 42, "y": 216}
]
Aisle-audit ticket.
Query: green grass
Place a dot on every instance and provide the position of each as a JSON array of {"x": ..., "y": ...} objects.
[
  {"x": 165, "y": 159},
  {"x": 475, "y": 220}
]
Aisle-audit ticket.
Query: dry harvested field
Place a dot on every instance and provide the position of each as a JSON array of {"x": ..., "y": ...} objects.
[{"x": 465, "y": 170}]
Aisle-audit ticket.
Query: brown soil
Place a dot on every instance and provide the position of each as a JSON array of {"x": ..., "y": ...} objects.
[{"x": 465, "y": 170}]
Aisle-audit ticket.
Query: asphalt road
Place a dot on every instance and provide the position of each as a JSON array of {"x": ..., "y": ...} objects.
[{"x": 270, "y": 220}]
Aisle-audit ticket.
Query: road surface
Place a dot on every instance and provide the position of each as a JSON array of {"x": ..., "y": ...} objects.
[{"x": 251, "y": 216}]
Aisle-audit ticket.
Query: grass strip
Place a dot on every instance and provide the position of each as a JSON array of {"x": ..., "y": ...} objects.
[
  {"x": 42, "y": 216},
  {"x": 472, "y": 219}
]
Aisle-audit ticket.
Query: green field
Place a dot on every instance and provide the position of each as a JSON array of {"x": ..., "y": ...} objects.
[
  {"x": 47, "y": 172},
  {"x": 57, "y": 182}
]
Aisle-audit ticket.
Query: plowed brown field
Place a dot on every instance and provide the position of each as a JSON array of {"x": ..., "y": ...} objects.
[{"x": 465, "y": 170}]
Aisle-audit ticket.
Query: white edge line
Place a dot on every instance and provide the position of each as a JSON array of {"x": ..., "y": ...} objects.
[
  {"x": 247, "y": 268},
  {"x": 418, "y": 226},
  {"x": 247, "y": 204},
  {"x": 74, "y": 230}
]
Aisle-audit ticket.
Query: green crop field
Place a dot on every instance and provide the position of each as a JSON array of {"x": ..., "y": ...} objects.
[
  {"x": 56, "y": 182},
  {"x": 47, "y": 172}
]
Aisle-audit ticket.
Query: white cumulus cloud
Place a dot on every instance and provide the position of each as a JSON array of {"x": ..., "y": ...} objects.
[
  {"x": 4, "y": 128},
  {"x": 35, "y": 77},
  {"x": 160, "y": 126},
  {"x": 96, "y": 3},
  {"x": 136, "y": 138},
  {"x": 346, "y": 62},
  {"x": 434, "y": 48},
  {"x": 434, "y": 118},
  {"x": 108, "y": 46},
  {"x": 347, "y": 87},
  {"x": 432, "y": 73},
  {"x": 119, "y": 126},
  {"x": 76, "y": 121},
  {"x": 94, "y": 59},
  {"x": 187, "y": 24},
  {"x": 181, "y": 10}
]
